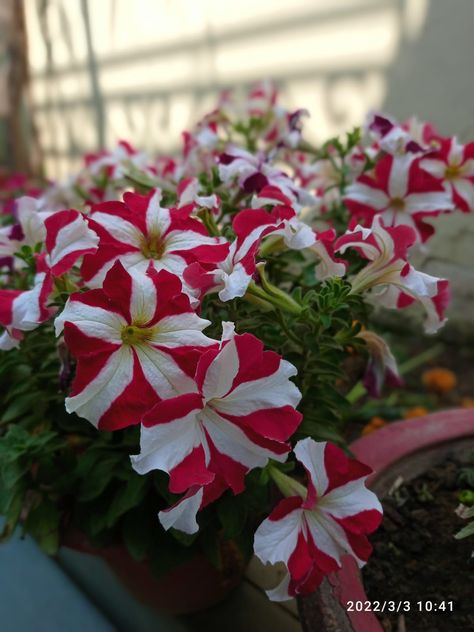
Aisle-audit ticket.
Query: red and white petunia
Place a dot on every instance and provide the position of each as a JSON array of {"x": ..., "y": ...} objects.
[
  {"x": 24, "y": 310},
  {"x": 29, "y": 231},
  {"x": 397, "y": 283},
  {"x": 135, "y": 340},
  {"x": 454, "y": 164},
  {"x": 139, "y": 232},
  {"x": 311, "y": 530},
  {"x": 232, "y": 276},
  {"x": 253, "y": 172},
  {"x": 117, "y": 162},
  {"x": 68, "y": 238},
  {"x": 240, "y": 415},
  {"x": 187, "y": 192},
  {"x": 401, "y": 192},
  {"x": 393, "y": 138},
  {"x": 328, "y": 266},
  {"x": 381, "y": 367},
  {"x": 296, "y": 233}
]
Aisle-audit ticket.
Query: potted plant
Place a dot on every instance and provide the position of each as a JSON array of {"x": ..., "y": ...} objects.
[{"x": 179, "y": 335}]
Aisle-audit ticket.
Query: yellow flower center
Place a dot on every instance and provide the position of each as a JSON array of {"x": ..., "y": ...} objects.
[
  {"x": 135, "y": 335},
  {"x": 152, "y": 246},
  {"x": 452, "y": 172},
  {"x": 398, "y": 204}
]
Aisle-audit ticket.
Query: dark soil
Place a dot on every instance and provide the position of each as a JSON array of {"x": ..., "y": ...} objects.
[{"x": 416, "y": 557}]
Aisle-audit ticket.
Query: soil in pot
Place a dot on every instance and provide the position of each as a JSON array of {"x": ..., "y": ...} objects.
[{"x": 416, "y": 557}]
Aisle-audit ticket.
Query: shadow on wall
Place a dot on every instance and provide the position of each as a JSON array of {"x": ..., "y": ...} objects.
[
  {"x": 337, "y": 58},
  {"x": 329, "y": 56}
]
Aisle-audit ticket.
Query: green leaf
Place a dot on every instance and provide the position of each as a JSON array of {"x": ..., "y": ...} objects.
[
  {"x": 99, "y": 476},
  {"x": 11, "y": 505},
  {"x": 136, "y": 532},
  {"x": 232, "y": 515},
  {"x": 12, "y": 472},
  {"x": 20, "y": 406},
  {"x": 126, "y": 498},
  {"x": 42, "y": 523},
  {"x": 465, "y": 531}
]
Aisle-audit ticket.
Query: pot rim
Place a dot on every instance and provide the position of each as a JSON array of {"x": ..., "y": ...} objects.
[{"x": 381, "y": 450}]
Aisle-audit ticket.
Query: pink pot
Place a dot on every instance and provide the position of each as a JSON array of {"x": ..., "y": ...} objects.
[{"x": 404, "y": 448}]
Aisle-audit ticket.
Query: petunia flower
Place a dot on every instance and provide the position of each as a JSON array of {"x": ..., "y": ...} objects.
[
  {"x": 397, "y": 283},
  {"x": 68, "y": 238},
  {"x": 29, "y": 230},
  {"x": 453, "y": 163},
  {"x": 395, "y": 138},
  {"x": 24, "y": 310},
  {"x": 135, "y": 340},
  {"x": 232, "y": 276},
  {"x": 239, "y": 416},
  {"x": 381, "y": 367},
  {"x": 312, "y": 529},
  {"x": 139, "y": 232},
  {"x": 253, "y": 172},
  {"x": 116, "y": 162},
  {"x": 401, "y": 193}
]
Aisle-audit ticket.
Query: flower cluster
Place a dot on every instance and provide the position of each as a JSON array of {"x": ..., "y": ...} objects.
[{"x": 199, "y": 298}]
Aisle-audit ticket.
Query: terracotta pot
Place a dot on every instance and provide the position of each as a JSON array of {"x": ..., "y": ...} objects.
[
  {"x": 187, "y": 588},
  {"x": 404, "y": 448}
]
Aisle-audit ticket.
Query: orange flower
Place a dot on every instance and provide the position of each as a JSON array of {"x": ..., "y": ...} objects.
[
  {"x": 415, "y": 411},
  {"x": 439, "y": 380},
  {"x": 374, "y": 424}
]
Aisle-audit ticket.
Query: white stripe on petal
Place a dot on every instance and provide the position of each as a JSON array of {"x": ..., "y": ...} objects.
[
  {"x": 164, "y": 446},
  {"x": 92, "y": 321},
  {"x": 73, "y": 237},
  {"x": 178, "y": 240},
  {"x": 235, "y": 282},
  {"x": 362, "y": 193},
  {"x": 465, "y": 189},
  {"x": 329, "y": 536},
  {"x": 349, "y": 500},
  {"x": 182, "y": 516},
  {"x": 222, "y": 371},
  {"x": 163, "y": 373},
  {"x": 434, "y": 201},
  {"x": 275, "y": 540},
  {"x": 273, "y": 391},
  {"x": 435, "y": 167},
  {"x": 143, "y": 299},
  {"x": 157, "y": 218},
  {"x": 181, "y": 330},
  {"x": 97, "y": 397},
  {"x": 399, "y": 172},
  {"x": 311, "y": 454},
  {"x": 233, "y": 442},
  {"x": 280, "y": 592},
  {"x": 118, "y": 228}
]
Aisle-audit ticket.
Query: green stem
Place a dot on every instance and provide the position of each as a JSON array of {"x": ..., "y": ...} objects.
[
  {"x": 359, "y": 390},
  {"x": 208, "y": 220},
  {"x": 287, "y": 485},
  {"x": 425, "y": 356},
  {"x": 281, "y": 300}
]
